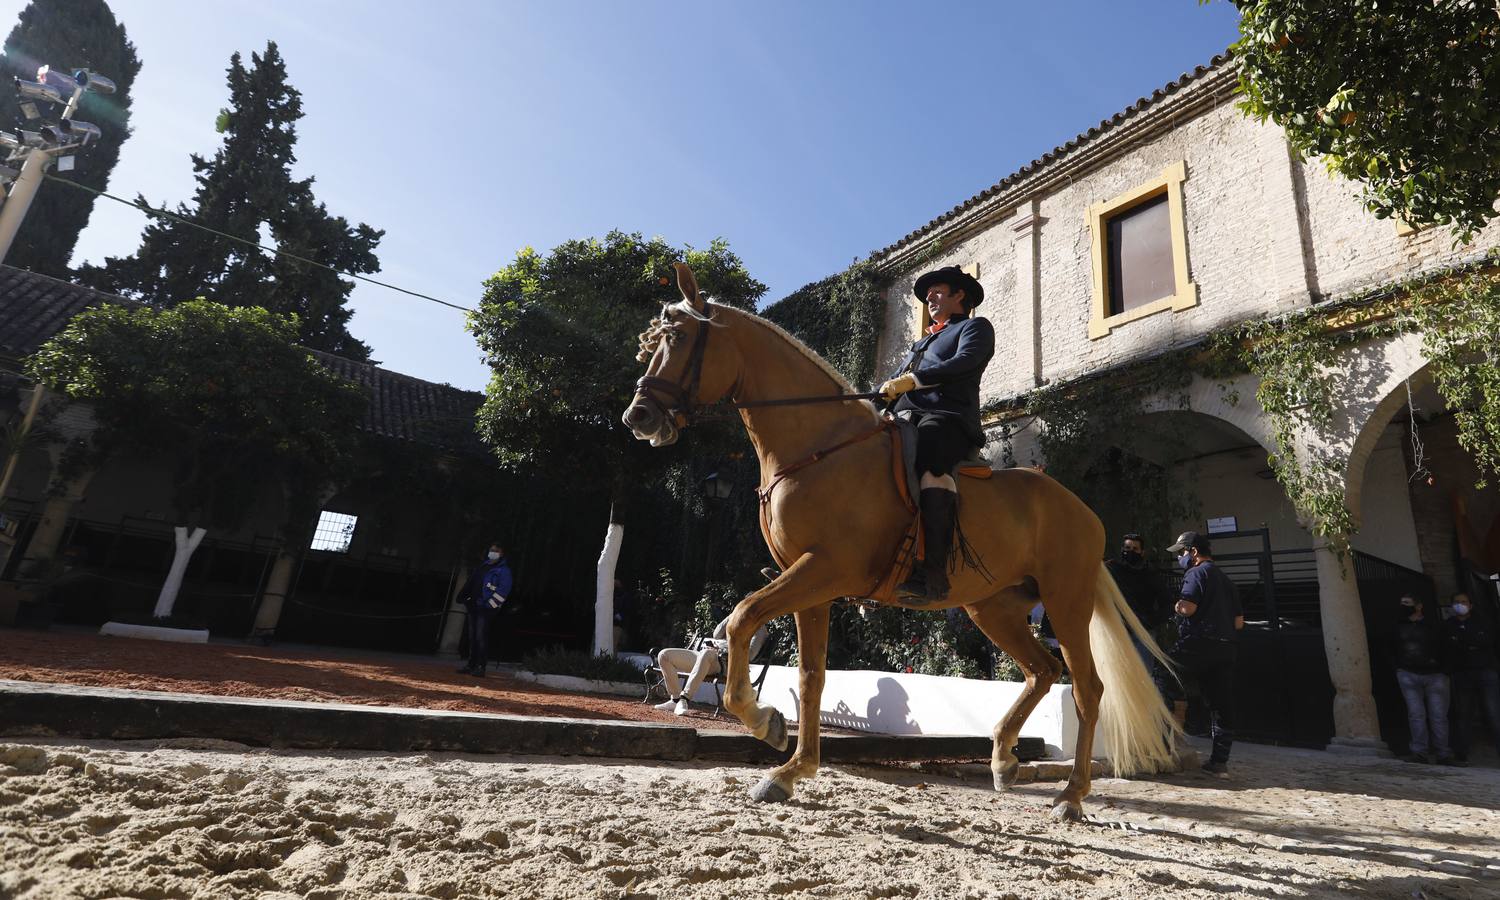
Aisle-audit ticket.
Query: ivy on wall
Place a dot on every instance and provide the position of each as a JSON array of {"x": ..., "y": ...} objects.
[
  {"x": 1098, "y": 441},
  {"x": 840, "y": 317},
  {"x": 1293, "y": 357}
]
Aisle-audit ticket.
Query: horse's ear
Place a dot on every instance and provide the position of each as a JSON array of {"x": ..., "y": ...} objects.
[{"x": 688, "y": 285}]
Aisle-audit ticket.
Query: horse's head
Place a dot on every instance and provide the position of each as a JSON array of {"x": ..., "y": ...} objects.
[{"x": 683, "y": 372}]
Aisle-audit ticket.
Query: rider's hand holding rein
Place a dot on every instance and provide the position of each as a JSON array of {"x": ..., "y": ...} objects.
[{"x": 899, "y": 385}]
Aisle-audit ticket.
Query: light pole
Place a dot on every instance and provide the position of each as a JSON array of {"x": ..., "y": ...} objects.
[{"x": 37, "y": 150}]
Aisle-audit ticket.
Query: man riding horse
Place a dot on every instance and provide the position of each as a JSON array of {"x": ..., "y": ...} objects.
[{"x": 937, "y": 388}]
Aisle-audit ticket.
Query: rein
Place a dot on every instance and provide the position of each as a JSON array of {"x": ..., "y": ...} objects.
[{"x": 681, "y": 393}]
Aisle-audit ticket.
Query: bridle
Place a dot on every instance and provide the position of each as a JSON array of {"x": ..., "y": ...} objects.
[{"x": 680, "y": 393}]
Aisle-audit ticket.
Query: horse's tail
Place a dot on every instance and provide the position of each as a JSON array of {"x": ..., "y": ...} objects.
[{"x": 1139, "y": 728}]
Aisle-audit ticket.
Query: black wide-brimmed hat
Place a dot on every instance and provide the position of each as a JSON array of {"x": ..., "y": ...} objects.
[{"x": 955, "y": 278}]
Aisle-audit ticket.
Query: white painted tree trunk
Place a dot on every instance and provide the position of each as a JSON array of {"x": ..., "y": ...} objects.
[
  {"x": 186, "y": 543},
  {"x": 274, "y": 596},
  {"x": 604, "y": 589}
]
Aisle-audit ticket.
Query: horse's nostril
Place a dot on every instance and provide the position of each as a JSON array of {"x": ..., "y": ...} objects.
[{"x": 637, "y": 414}]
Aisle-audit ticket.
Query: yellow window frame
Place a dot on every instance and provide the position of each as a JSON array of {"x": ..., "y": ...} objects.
[{"x": 1101, "y": 323}]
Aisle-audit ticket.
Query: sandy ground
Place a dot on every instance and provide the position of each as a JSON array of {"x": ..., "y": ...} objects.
[
  {"x": 205, "y": 820},
  {"x": 304, "y": 673}
]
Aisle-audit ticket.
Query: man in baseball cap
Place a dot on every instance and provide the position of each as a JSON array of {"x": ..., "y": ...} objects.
[{"x": 1209, "y": 619}]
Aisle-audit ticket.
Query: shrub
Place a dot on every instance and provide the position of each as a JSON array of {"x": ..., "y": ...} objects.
[{"x": 580, "y": 664}]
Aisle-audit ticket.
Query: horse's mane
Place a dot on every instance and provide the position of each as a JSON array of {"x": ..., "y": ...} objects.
[{"x": 812, "y": 355}]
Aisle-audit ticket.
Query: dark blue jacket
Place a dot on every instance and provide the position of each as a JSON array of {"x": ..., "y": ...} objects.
[
  {"x": 949, "y": 364},
  {"x": 488, "y": 579}
]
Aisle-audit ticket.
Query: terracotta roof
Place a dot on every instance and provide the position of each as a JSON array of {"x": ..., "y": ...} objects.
[
  {"x": 35, "y": 307},
  {"x": 1083, "y": 139},
  {"x": 411, "y": 409}
]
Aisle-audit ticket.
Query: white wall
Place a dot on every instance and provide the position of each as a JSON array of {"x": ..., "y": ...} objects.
[
  {"x": 1387, "y": 528},
  {"x": 901, "y": 703}
]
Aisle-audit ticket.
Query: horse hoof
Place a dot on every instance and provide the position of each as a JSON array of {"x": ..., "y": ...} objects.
[
  {"x": 768, "y": 791},
  {"x": 1006, "y": 778},
  {"x": 1067, "y": 811},
  {"x": 776, "y": 734}
]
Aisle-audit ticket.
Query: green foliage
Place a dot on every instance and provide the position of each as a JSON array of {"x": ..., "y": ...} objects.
[
  {"x": 1458, "y": 317},
  {"x": 840, "y": 317},
  {"x": 1398, "y": 95},
  {"x": 224, "y": 394},
  {"x": 245, "y": 187},
  {"x": 1459, "y": 320},
  {"x": 560, "y": 333},
  {"x": 579, "y": 664},
  {"x": 891, "y": 639},
  {"x": 1290, "y": 357},
  {"x": 69, "y": 34},
  {"x": 1099, "y": 441}
]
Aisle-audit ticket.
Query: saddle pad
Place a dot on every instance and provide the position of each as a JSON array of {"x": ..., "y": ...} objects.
[{"x": 976, "y": 466}]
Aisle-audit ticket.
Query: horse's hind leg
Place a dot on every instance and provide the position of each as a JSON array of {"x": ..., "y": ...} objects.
[
  {"x": 1002, "y": 618},
  {"x": 812, "y": 660},
  {"x": 1072, "y": 629}
]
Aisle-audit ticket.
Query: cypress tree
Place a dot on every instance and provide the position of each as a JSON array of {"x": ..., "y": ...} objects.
[
  {"x": 247, "y": 189},
  {"x": 68, "y": 34}
]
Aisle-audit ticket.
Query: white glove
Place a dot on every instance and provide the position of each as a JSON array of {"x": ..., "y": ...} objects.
[{"x": 898, "y": 386}]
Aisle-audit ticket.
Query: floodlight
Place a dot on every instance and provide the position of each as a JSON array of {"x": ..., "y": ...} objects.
[
  {"x": 32, "y": 90},
  {"x": 93, "y": 81},
  {"x": 61, "y": 82},
  {"x": 82, "y": 132},
  {"x": 55, "y": 135},
  {"x": 31, "y": 139}
]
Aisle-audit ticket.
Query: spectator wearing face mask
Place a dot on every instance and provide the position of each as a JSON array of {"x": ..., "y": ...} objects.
[
  {"x": 1209, "y": 619},
  {"x": 1476, "y": 675},
  {"x": 1144, "y": 588},
  {"x": 483, "y": 595},
  {"x": 1424, "y": 684}
]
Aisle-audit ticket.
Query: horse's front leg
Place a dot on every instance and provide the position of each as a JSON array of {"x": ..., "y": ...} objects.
[
  {"x": 806, "y": 582},
  {"x": 812, "y": 662}
]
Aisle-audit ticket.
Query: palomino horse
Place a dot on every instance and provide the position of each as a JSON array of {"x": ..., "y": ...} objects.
[{"x": 834, "y": 526}]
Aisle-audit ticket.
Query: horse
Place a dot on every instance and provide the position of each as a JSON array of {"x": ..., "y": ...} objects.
[{"x": 834, "y": 517}]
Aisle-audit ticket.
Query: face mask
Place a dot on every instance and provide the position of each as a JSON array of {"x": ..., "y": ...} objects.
[
  {"x": 1461, "y": 609},
  {"x": 1185, "y": 561},
  {"x": 492, "y": 556},
  {"x": 1131, "y": 556}
]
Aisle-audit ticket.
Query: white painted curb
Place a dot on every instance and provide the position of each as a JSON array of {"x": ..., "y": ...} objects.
[
  {"x": 155, "y": 633},
  {"x": 583, "y": 685}
]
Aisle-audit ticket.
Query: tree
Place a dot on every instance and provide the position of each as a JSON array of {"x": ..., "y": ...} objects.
[
  {"x": 246, "y": 187},
  {"x": 225, "y": 395},
  {"x": 1398, "y": 95},
  {"x": 560, "y": 333},
  {"x": 69, "y": 34}
]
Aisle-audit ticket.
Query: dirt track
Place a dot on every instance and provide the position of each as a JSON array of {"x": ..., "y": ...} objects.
[
  {"x": 329, "y": 675},
  {"x": 195, "y": 819}
]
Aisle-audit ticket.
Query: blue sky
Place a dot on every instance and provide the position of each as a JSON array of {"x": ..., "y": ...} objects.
[{"x": 805, "y": 133}]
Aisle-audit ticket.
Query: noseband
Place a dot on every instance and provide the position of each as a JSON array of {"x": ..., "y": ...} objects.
[{"x": 679, "y": 393}]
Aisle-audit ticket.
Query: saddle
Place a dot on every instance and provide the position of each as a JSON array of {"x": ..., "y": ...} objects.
[{"x": 903, "y": 438}]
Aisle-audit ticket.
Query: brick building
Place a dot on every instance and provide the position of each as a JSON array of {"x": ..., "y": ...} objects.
[{"x": 1173, "y": 218}]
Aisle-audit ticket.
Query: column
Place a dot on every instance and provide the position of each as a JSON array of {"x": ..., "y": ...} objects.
[
  {"x": 1028, "y": 268},
  {"x": 1356, "y": 728}
]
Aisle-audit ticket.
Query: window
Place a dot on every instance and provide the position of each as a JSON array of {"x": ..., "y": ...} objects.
[
  {"x": 334, "y": 532},
  {"x": 1140, "y": 254}
]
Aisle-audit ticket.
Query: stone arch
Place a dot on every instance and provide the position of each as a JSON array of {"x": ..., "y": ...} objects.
[{"x": 1374, "y": 402}]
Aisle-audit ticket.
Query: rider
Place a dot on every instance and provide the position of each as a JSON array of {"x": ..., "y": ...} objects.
[{"x": 937, "y": 387}]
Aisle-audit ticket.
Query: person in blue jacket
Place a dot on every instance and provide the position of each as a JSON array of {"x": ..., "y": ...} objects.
[
  {"x": 483, "y": 595},
  {"x": 937, "y": 387}
]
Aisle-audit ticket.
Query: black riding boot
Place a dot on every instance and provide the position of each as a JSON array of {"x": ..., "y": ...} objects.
[{"x": 930, "y": 582}]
